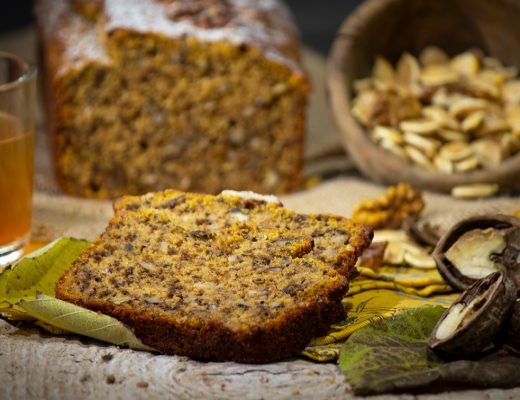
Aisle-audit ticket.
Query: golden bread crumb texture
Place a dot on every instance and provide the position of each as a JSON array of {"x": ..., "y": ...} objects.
[{"x": 197, "y": 266}]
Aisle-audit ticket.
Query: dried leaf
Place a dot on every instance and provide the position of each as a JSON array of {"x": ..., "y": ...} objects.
[{"x": 81, "y": 321}]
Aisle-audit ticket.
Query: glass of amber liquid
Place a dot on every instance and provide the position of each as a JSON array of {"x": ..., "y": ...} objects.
[{"x": 17, "y": 129}]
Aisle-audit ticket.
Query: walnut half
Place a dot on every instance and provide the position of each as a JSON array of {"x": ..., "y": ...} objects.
[{"x": 391, "y": 208}]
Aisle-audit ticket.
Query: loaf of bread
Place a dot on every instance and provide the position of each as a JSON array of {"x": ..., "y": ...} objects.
[
  {"x": 229, "y": 277},
  {"x": 199, "y": 95}
]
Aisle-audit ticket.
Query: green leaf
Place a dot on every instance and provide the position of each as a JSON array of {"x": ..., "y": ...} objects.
[
  {"x": 27, "y": 293},
  {"x": 75, "y": 319},
  {"x": 37, "y": 272},
  {"x": 392, "y": 355}
]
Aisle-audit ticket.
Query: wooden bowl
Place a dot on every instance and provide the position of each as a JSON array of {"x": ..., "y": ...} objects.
[{"x": 392, "y": 27}]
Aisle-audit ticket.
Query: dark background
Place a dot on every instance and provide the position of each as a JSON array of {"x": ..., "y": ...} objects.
[{"x": 317, "y": 20}]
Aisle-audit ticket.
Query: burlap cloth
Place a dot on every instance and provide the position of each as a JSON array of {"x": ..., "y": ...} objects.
[{"x": 106, "y": 372}]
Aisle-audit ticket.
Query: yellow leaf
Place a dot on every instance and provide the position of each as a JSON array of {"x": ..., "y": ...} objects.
[
  {"x": 37, "y": 272},
  {"x": 81, "y": 321}
]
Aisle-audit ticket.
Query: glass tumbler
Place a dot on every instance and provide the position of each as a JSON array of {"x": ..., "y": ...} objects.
[{"x": 17, "y": 130}]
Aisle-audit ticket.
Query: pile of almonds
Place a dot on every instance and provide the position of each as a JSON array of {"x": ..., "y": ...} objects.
[{"x": 446, "y": 115}]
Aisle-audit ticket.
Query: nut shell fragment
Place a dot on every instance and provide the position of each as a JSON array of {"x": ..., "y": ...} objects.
[
  {"x": 475, "y": 318},
  {"x": 420, "y": 231},
  {"x": 372, "y": 257},
  {"x": 512, "y": 330},
  {"x": 506, "y": 258}
]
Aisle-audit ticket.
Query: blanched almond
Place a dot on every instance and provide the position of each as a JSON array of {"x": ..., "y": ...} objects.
[
  {"x": 468, "y": 164},
  {"x": 493, "y": 76},
  {"x": 422, "y": 260},
  {"x": 420, "y": 126},
  {"x": 394, "y": 148},
  {"x": 390, "y": 235},
  {"x": 361, "y": 85},
  {"x": 443, "y": 165},
  {"x": 441, "y": 116},
  {"x": 408, "y": 70},
  {"x": 467, "y": 105},
  {"x": 364, "y": 105},
  {"x": 386, "y": 133},
  {"x": 465, "y": 63},
  {"x": 511, "y": 92},
  {"x": 394, "y": 253},
  {"x": 493, "y": 125},
  {"x": 383, "y": 70},
  {"x": 455, "y": 151},
  {"x": 513, "y": 117},
  {"x": 482, "y": 86},
  {"x": 473, "y": 121},
  {"x": 419, "y": 158},
  {"x": 488, "y": 152},
  {"x": 452, "y": 136},
  {"x": 428, "y": 146},
  {"x": 476, "y": 190},
  {"x": 437, "y": 75},
  {"x": 445, "y": 99},
  {"x": 510, "y": 143}
]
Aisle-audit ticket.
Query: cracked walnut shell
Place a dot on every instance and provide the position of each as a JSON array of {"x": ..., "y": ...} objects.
[{"x": 391, "y": 208}]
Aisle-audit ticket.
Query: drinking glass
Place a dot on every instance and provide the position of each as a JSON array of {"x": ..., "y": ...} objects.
[{"x": 17, "y": 129}]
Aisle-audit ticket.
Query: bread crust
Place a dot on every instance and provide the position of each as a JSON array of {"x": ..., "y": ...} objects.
[{"x": 215, "y": 342}]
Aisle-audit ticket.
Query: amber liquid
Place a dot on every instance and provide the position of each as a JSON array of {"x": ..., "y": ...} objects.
[{"x": 16, "y": 180}]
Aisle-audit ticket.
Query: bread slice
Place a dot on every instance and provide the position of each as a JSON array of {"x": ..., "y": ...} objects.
[{"x": 228, "y": 277}]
